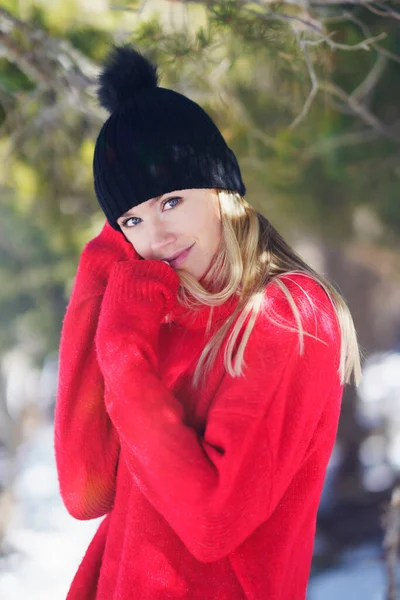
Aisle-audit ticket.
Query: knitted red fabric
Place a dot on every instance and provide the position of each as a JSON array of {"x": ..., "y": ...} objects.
[{"x": 209, "y": 493}]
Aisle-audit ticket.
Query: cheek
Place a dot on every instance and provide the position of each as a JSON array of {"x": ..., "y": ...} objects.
[
  {"x": 209, "y": 237},
  {"x": 139, "y": 247},
  {"x": 213, "y": 232},
  {"x": 209, "y": 224}
]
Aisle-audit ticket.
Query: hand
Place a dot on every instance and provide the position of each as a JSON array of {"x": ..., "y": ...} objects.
[
  {"x": 145, "y": 282},
  {"x": 107, "y": 248},
  {"x": 99, "y": 256},
  {"x": 138, "y": 296}
]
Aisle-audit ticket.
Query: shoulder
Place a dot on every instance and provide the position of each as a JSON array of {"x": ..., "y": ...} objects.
[
  {"x": 297, "y": 300},
  {"x": 295, "y": 331},
  {"x": 304, "y": 288}
]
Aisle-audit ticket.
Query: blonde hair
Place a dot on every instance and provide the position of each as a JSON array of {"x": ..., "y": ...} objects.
[{"x": 251, "y": 254}]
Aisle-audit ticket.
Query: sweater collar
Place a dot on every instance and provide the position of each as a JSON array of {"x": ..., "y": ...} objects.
[{"x": 198, "y": 318}]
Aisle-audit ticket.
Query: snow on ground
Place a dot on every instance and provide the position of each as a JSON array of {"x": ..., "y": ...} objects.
[
  {"x": 47, "y": 543},
  {"x": 359, "y": 576}
]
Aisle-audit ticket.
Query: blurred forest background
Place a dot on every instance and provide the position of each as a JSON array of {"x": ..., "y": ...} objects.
[{"x": 307, "y": 95}]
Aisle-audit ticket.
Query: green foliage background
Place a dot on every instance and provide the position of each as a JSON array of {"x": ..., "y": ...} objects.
[{"x": 249, "y": 73}]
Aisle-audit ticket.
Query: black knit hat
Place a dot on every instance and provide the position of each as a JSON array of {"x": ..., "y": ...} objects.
[{"x": 155, "y": 140}]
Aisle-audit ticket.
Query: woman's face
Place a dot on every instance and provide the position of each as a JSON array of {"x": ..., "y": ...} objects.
[{"x": 161, "y": 227}]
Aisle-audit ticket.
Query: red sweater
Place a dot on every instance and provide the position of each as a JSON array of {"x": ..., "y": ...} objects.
[{"x": 209, "y": 494}]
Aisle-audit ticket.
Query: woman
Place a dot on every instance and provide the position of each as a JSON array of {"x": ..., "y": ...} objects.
[{"x": 202, "y": 366}]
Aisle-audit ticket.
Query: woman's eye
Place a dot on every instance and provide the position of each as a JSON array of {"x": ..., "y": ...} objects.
[
  {"x": 175, "y": 198},
  {"x": 125, "y": 223},
  {"x": 171, "y": 199}
]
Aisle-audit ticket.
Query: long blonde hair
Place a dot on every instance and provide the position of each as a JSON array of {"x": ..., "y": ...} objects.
[{"x": 251, "y": 254}]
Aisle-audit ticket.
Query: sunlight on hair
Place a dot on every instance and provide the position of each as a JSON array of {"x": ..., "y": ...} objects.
[{"x": 251, "y": 255}]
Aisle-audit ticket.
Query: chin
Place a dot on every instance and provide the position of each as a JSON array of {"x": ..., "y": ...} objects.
[
  {"x": 191, "y": 273},
  {"x": 198, "y": 273},
  {"x": 201, "y": 277},
  {"x": 195, "y": 275}
]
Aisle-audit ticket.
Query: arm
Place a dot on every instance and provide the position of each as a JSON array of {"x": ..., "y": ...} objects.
[
  {"x": 214, "y": 490},
  {"x": 85, "y": 441}
]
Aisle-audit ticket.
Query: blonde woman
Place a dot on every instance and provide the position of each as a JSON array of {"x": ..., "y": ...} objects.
[{"x": 202, "y": 366}]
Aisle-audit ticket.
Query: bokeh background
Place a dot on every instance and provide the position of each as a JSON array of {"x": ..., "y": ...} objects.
[{"x": 307, "y": 95}]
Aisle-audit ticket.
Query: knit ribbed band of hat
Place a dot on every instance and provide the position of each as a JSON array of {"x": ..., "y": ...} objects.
[{"x": 155, "y": 140}]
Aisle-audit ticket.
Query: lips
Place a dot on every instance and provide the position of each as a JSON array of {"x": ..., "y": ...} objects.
[{"x": 178, "y": 260}]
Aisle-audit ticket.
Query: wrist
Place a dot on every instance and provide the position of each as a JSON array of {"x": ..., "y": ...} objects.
[
  {"x": 138, "y": 295},
  {"x": 152, "y": 282}
]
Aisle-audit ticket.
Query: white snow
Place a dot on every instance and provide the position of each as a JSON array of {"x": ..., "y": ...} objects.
[{"x": 46, "y": 543}]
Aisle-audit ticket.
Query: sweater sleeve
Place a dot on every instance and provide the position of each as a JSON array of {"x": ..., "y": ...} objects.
[
  {"x": 215, "y": 489},
  {"x": 86, "y": 443}
]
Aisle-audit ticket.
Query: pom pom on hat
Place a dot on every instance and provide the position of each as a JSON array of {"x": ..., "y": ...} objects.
[{"x": 125, "y": 73}]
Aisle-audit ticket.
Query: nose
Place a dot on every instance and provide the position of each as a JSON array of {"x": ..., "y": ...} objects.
[{"x": 161, "y": 240}]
